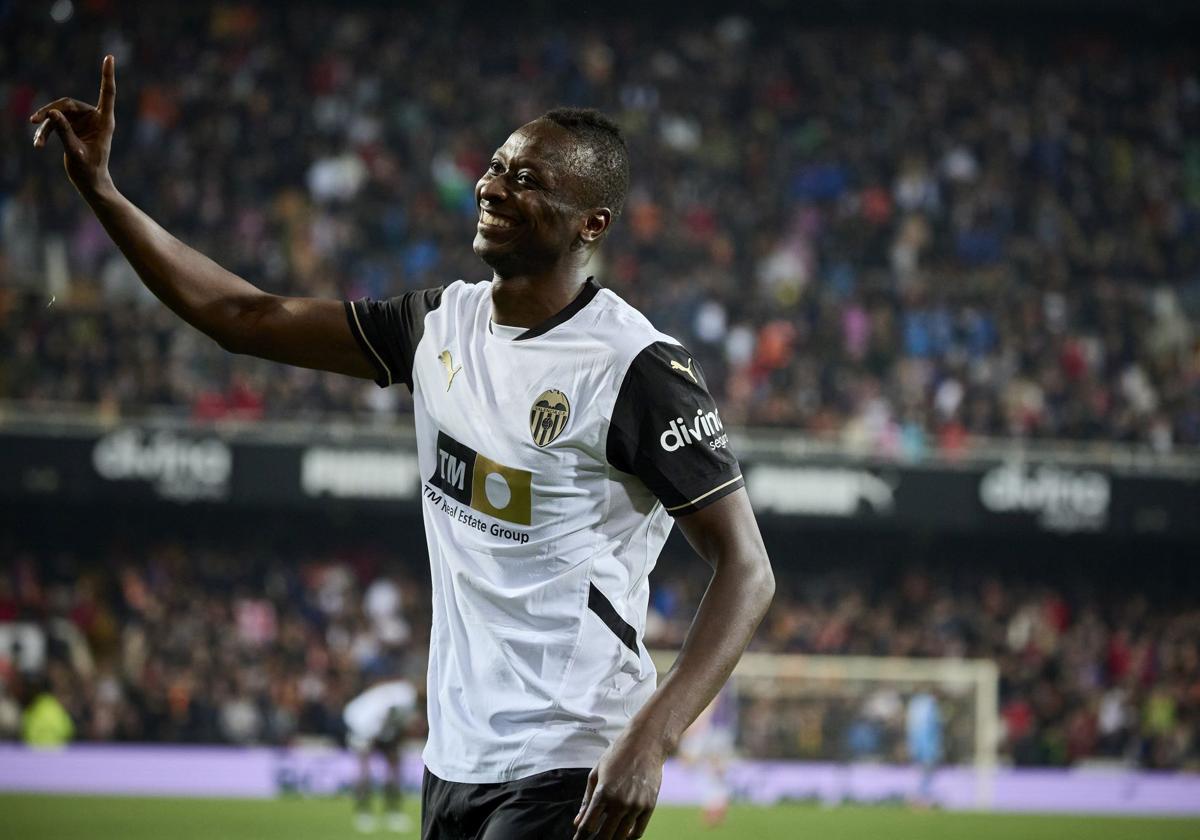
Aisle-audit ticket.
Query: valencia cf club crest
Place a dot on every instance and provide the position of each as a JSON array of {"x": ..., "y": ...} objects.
[{"x": 549, "y": 417}]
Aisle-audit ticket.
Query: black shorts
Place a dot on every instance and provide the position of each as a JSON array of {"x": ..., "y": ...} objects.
[{"x": 540, "y": 807}]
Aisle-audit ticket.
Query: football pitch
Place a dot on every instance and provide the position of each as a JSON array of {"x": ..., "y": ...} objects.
[{"x": 30, "y": 817}]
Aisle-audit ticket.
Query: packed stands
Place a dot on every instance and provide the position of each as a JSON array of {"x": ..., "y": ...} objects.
[
  {"x": 245, "y": 640},
  {"x": 898, "y": 239}
]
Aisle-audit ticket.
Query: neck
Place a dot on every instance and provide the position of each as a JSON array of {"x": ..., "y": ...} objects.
[{"x": 528, "y": 300}]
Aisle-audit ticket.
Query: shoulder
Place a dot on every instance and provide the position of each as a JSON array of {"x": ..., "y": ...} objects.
[
  {"x": 463, "y": 294},
  {"x": 460, "y": 303},
  {"x": 623, "y": 332},
  {"x": 470, "y": 301},
  {"x": 462, "y": 290}
]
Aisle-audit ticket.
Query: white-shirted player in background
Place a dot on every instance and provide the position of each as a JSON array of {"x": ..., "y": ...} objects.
[
  {"x": 559, "y": 436},
  {"x": 376, "y": 721},
  {"x": 708, "y": 748}
]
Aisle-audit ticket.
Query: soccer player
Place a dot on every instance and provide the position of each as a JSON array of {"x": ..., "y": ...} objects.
[
  {"x": 375, "y": 722},
  {"x": 923, "y": 732},
  {"x": 559, "y": 436},
  {"x": 708, "y": 747}
]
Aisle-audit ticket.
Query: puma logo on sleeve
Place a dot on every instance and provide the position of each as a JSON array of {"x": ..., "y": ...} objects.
[{"x": 688, "y": 370}]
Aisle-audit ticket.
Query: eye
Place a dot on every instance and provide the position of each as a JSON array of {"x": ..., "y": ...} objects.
[
  {"x": 525, "y": 179},
  {"x": 495, "y": 167}
]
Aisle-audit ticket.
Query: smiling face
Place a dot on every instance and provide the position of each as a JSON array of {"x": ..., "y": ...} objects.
[{"x": 531, "y": 216}]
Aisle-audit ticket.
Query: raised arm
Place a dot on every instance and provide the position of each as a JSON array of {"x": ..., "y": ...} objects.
[{"x": 239, "y": 316}]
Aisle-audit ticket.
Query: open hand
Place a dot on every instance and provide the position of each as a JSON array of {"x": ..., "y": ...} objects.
[
  {"x": 622, "y": 790},
  {"x": 86, "y": 132}
]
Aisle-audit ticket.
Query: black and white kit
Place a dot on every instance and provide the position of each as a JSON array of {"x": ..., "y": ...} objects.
[{"x": 552, "y": 459}]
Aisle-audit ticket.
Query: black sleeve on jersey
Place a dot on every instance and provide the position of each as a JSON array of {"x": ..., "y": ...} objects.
[
  {"x": 665, "y": 430},
  {"x": 388, "y": 331}
]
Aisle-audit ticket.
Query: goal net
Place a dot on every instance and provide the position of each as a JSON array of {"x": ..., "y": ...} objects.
[{"x": 849, "y": 710}]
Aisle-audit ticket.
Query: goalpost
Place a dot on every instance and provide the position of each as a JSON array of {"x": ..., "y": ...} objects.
[{"x": 852, "y": 709}]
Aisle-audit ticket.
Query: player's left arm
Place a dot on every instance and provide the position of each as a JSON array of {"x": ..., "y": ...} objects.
[
  {"x": 666, "y": 430},
  {"x": 623, "y": 787}
]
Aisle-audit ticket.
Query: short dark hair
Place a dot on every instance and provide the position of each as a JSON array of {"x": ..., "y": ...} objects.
[{"x": 604, "y": 164}]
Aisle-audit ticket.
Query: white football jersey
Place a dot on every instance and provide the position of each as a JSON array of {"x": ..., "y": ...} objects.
[
  {"x": 553, "y": 459},
  {"x": 383, "y": 706}
]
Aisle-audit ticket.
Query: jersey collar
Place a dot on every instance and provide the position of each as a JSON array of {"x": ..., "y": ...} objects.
[{"x": 590, "y": 289}]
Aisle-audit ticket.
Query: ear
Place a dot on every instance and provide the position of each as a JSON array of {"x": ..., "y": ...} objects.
[{"x": 595, "y": 225}]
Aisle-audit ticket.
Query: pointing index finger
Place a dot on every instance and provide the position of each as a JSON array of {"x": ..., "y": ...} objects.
[{"x": 108, "y": 86}]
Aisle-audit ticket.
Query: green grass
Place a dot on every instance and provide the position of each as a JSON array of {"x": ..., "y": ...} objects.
[{"x": 103, "y": 818}]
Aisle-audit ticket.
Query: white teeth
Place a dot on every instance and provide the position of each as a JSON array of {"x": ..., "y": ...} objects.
[{"x": 492, "y": 219}]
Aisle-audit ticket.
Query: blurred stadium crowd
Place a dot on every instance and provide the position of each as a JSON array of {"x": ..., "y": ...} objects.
[
  {"x": 901, "y": 241},
  {"x": 204, "y": 642}
]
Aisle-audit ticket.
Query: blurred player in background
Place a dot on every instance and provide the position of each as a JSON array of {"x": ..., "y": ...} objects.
[
  {"x": 707, "y": 747},
  {"x": 923, "y": 730},
  {"x": 376, "y": 721}
]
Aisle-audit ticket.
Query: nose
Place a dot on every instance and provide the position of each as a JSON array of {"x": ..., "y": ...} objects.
[{"x": 491, "y": 189}]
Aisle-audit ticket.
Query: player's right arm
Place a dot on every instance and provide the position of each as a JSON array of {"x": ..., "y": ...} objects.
[{"x": 241, "y": 317}]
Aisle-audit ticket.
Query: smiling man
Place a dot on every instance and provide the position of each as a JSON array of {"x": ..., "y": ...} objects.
[{"x": 559, "y": 436}]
